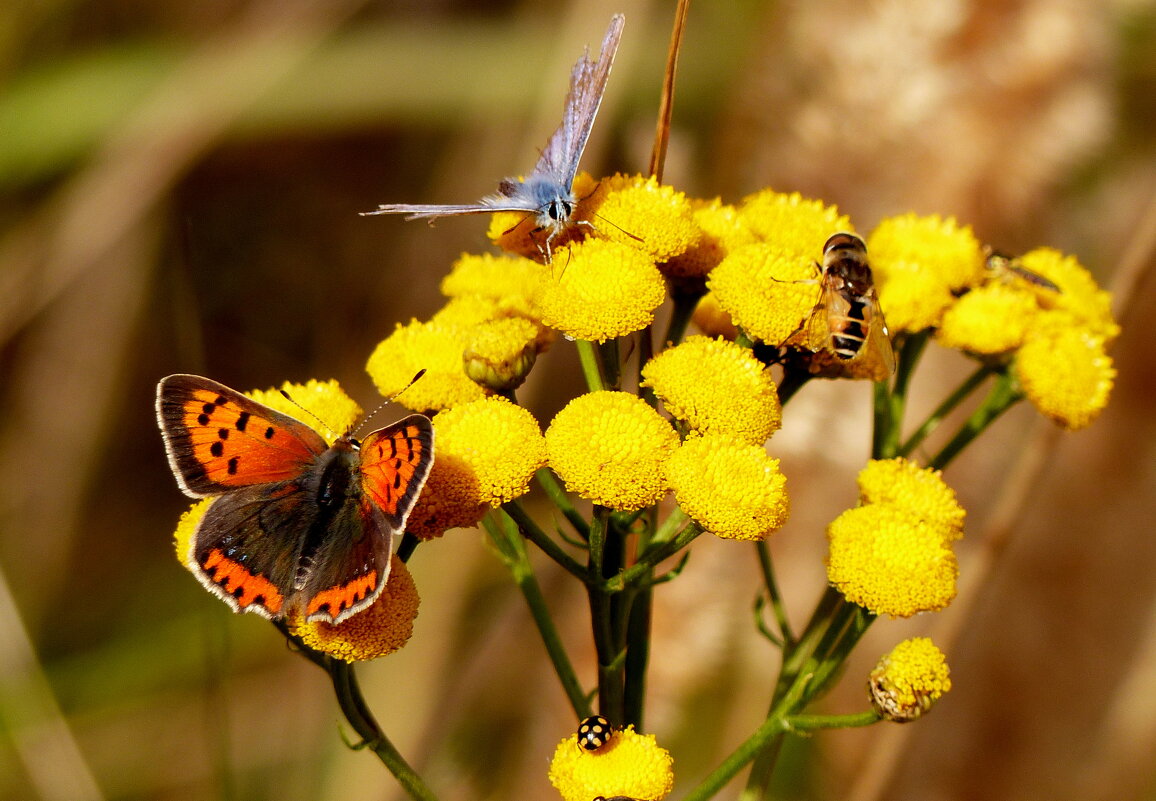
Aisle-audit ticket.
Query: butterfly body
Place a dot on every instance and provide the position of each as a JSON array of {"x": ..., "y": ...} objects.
[
  {"x": 295, "y": 524},
  {"x": 547, "y": 192}
]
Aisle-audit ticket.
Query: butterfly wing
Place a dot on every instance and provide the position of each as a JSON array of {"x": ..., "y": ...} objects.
[
  {"x": 487, "y": 205},
  {"x": 351, "y": 564},
  {"x": 218, "y": 440},
  {"x": 559, "y": 160},
  {"x": 246, "y": 549}
]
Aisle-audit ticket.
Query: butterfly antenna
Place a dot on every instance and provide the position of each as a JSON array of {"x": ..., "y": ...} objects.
[
  {"x": 388, "y": 401},
  {"x": 291, "y": 399}
]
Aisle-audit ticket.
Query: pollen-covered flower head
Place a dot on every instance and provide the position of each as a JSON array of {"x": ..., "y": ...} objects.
[
  {"x": 641, "y": 213},
  {"x": 609, "y": 447},
  {"x": 630, "y": 765},
  {"x": 1066, "y": 373},
  {"x": 509, "y": 282},
  {"x": 885, "y": 559},
  {"x": 325, "y": 399},
  {"x": 720, "y": 230},
  {"x": 916, "y": 490},
  {"x": 989, "y": 320},
  {"x": 909, "y": 680},
  {"x": 712, "y": 385},
  {"x": 602, "y": 290},
  {"x": 918, "y": 262},
  {"x": 380, "y": 629},
  {"x": 766, "y": 290},
  {"x": 731, "y": 488},
  {"x": 434, "y": 347},
  {"x": 794, "y": 225}
]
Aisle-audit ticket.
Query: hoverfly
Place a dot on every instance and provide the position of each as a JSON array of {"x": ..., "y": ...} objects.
[
  {"x": 846, "y": 330},
  {"x": 1002, "y": 265}
]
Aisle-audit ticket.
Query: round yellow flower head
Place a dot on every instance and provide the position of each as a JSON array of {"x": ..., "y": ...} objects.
[
  {"x": 186, "y": 526},
  {"x": 517, "y": 232},
  {"x": 793, "y": 224},
  {"x": 435, "y": 347},
  {"x": 909, "y": 680},
  {"x": 918, "y": 491},
  {"x": 449, "y": 499},
  {"x": 712, "y": 320},
  {"x": 630, "y": 765},
  {"x": 603, "y": 290},
  {"x": 917, "y": 262},
  {"x": 716, "y": 386},
  {"x": 732, "y": 489},
  {"x": 510, "y": 282},
  {"x": 1089, "y": 306},
  {"x": 499, "y": 442},
  {"x": 325, "y": 399},
  {"x": 501, "y": 352},
  {"x": 767, "y": 291},
  {"x": 644, "y": 214},
  {"x": 609, "y": 447},
  {"x": 720, "y": 230},
  {"x": 886, "y": 560},
  {"x": 991, "y": 319},
  {"x": 376, "y": 631},
  {"x": 1066, "y": 374}
]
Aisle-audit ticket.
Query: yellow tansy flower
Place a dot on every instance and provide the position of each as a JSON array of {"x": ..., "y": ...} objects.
[
  {"x": 793, "y": 224},
  {"x": 886, "y": 560},
  {"x": 1079, "y": 295},
  {"x": 720, "y": 230},
  {"x": 509, "y": 281},
  {"x": 909, "y": 680},
  {"x": 603, "y": 290},
  {"x": 732, "y": 489},
  {"x": 499, "y": 442},
  {"x": 631, "y": 765},
  {"x": 1066, "y": 374},
  {"x": 449, "y": 499},
  {"x": 609, "y": 447},
  {"x": 918, "y": 262},
  {"x": 989, "y": 320},
  {"x": 716, "y": 386},
  {"x": 434, "y": 347},
  {"x": 916, "y": 490},
  {"x": 644, "y": 214},
  {"x": 712, "y": 320},
  {"x": 501, "y": 352},
  {"x": 186, "y": 526},
  {"x": 381, "y": 629},
  {"x": 325, "y": 399},
  {"x": 767, "y": 291}
]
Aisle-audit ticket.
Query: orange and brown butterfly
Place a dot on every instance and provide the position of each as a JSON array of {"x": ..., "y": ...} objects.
[
  {"x": 846, "y": 331},
  {"x": 295, "y": 525}
]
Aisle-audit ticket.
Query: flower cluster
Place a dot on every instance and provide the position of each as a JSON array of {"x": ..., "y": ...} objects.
[
  {"x": 892, "y": 554},
  {"x": 629, "y": 765}
]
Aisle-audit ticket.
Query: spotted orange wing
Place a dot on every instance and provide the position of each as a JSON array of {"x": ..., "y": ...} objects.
[{"x": 217, "y": 439}]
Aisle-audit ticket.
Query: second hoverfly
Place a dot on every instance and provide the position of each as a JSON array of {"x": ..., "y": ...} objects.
[{"x": 846, "y": 332}]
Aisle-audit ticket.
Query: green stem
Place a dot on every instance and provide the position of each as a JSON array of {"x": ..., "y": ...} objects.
[
  {"x": 557, "y": 494},
  {"x": 814, "y": 722},
  {"x": 1003, "y": 395},
  {"x": 650, "y": 559},
  {"x": 610, "y": 362},
  {"x": 589, "y": 362},
  {"x": 680, "y": 317},
  {"x": 768, "y": 568},
  {"x": 407, "y": 546},
  {"x": 513, "y": 549},
  {"x": 944, "y": 409},
  {"x": 890, "y": 403},
  {"x": 531, "y": 532},
  {"x": 356, "y": 711},
  {"x": 611, "y": 701}
]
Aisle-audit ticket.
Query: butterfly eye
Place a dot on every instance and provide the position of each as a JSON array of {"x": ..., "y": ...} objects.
[{"x": 594, "y": 732}]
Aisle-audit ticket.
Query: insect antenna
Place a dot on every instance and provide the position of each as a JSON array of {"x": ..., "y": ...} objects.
[
  {"x": 325, "y": 425},
  {"x": 388, "y": 401}
]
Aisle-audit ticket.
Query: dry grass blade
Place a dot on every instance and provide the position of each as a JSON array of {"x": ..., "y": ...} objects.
[{"x": 666, "y": 104}]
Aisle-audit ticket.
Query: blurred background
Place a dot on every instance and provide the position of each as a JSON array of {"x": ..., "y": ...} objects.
[{"x": 179, "y": 188}]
